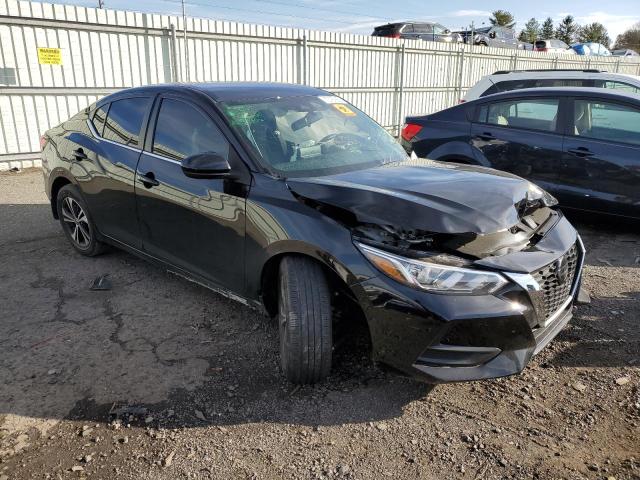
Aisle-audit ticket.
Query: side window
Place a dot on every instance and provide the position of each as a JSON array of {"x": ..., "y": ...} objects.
[
  {"x": 625, "y": 87},
  {"x": 194, "y": 133},
  {"x": 533, "y": 114},
  {"x": 99, "y": 118},
  {"x": 422, "y": 28},
  {"x": 124, "y": 121},
  {"x": 607, "y": 121}
]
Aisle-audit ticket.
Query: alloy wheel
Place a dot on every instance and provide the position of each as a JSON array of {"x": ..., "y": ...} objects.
[{"x": 77, "y": 222}]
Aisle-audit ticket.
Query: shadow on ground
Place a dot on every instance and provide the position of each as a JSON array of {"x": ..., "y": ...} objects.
[{"x": 156, "y": 341}]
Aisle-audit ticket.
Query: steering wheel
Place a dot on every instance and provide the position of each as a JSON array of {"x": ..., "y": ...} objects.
[{"x": 344, "y": 140}]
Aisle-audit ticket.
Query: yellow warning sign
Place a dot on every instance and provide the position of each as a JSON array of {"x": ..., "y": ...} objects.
[
  {"x": 49, "y": 56},
  {"x": 344, "y": 109}
]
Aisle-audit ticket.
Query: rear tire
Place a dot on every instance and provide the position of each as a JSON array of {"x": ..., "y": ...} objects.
[
  {"x": 304, "y": 320},
  {"x": 76, "y": 222}
]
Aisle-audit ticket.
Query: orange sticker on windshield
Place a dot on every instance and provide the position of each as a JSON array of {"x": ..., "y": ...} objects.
[{"x": 342, "y": 108}]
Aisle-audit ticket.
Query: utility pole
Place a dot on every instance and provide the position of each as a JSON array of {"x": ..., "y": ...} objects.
[{"x": 186, "y": 48}]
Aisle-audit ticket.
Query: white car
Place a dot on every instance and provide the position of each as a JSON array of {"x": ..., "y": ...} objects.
[
  {"x": 503, "y": 81},
  {"x": 552, "y": 45}
]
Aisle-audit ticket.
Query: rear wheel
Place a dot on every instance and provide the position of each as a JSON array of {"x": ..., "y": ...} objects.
[
  {"x": 304, "y": 318},
  {"x": 76, "y": 222}
]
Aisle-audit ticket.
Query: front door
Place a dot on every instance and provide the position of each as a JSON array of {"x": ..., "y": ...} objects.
[
  {"x": 522, "y": 136},
  {"x": 601, "y": 159},
  {"x": 197, "y": 225}
]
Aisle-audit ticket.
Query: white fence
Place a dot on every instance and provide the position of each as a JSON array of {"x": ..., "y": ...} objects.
[{"x": 106, "y": 50}]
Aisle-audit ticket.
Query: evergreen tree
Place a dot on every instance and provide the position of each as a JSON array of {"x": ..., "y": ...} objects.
[
  {"x": 502, "y": 18},
  {"x": 547, "y": 30},
  {"x": 594, "y": 32},
  {"x": 531, "y": 31},
  {"x": 567, "y": 30}
]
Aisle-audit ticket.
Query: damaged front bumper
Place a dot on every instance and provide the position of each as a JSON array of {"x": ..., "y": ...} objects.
[{"x": 449, "y": 338}]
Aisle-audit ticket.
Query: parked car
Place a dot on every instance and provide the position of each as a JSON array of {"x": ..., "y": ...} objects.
[
  {"x": 494, "y": 36},
  {"x": 506, "y": 80},
  {"x": 428, "y": 31},
  {"x": 525, "y": 46},
  {"x": 553, "y": 45},
  {"x": 591, "y": 48},
  {"x": 624, "y": 52},
  {"x": 291, "y": 200},
  {"x": 580, "y": 144}
]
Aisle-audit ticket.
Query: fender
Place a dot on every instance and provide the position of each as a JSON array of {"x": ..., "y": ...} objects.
[{"x": 453, "y": 151}]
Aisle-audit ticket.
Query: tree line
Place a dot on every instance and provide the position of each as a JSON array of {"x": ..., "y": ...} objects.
[{"x": 568, "y": 30}]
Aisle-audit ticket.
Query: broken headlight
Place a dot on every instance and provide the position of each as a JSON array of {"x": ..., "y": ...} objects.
[{"x": 433, "y": 277}]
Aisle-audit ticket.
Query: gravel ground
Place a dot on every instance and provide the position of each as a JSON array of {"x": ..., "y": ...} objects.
[{"x": 159, "y": 378}]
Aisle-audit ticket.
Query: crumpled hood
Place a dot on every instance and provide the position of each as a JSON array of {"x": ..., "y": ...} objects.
[{"x": 427, "y": 195}]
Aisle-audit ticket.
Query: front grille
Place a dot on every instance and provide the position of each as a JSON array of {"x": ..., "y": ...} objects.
[{"x": 555, "y": 288}]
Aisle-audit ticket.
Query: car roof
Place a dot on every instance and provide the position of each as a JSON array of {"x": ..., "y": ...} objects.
[
  {"x": 225, "y": 91},
  {"x": 564, "y": 92},
  {"x": 559, "y": 74}
]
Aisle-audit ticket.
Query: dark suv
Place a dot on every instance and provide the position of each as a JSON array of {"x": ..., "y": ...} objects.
[
  {"x": 429, "y": 31},
  {"x": 580, "y": 144},
  {"x": 288, "y": 199},
  {"x": 501, "y": 37}
]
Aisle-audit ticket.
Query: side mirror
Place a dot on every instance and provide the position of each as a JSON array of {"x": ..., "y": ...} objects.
[
  {"x": 447, "y": 31},
  {"x": 492, "y": 35},
  {"x": 206, "y": 165}
]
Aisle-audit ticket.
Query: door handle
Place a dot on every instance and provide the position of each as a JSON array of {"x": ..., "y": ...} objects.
[
  {"x": 79, "y": 154},
  {"x": 486, "y": 136},
  {"x": 148, "y": 180},
  {"x": 581, "y": 152}
]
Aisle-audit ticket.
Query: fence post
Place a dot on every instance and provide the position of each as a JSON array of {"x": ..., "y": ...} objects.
[
  {"x": 299, "y": 48},
  {"x": 460, "y": 73},
  {"x": 305, "y": 52},
  {"x": 555, "y": 63},
  {"x": 617, "y": 65},
  {"x": 398, "y": 89},
  {"x": 174, "y": 54}
]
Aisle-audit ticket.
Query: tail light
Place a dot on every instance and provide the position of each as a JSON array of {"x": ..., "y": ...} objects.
[
  {"x": 541, "y": 49},
  {"x": 393, "y": 35},
  {"x": 43, "y": 142},
  {"x": 409, "y": 131},
  {"x": 462, "y": 100}
]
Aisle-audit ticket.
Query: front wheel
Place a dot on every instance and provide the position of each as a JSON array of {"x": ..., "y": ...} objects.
[
  {"x": 76, "y": 222},
  {"x": 304, "y": 318}
]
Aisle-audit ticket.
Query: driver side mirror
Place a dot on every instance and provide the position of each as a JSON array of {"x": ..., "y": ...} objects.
[{"x": 206, "y": 165}]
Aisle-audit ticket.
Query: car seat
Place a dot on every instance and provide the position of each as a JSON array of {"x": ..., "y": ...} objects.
[{"x": 264, "y": 129}]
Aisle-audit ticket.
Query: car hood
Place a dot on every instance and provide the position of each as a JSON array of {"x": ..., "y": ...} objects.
[{"x": 427, "y": 195}]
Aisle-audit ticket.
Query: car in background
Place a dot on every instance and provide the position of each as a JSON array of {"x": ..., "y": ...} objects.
[
  {"x": 580, "y": 144},
  {"x": 591, "y": 48},
  {"x": 506, "y": 80},
  {"x": 500, "y": 37},
  {"x": 526, "y": 46},
  {"x": 553, "y": 45},
  {"x": 624, "y": 52},
  {"x": 428, "y": 31},
  {"x": 291, "y": 200}
]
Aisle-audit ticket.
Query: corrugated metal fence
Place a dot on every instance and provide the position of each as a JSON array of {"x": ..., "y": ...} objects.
[{"x": 106, "y": 50}]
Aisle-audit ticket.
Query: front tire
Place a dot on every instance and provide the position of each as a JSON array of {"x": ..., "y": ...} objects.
[
  {"x": 304, "y": 319},
  {"x": 76, "y": 222}
]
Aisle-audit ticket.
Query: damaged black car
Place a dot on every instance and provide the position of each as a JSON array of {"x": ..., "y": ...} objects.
[{"x": 289, "y": 199}]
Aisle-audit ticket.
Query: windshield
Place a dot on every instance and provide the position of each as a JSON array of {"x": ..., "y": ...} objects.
[{"x": 312, "y": 135}]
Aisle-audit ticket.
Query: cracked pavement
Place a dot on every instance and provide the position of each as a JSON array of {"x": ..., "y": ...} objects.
[{"x": 197, "y": 374}]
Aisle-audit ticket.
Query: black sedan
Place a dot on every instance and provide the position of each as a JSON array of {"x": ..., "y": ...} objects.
[
  {"x": 580, "y": 144},
  {"x": 291, "y": 200}
]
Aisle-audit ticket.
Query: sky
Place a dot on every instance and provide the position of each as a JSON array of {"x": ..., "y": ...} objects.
[{"x": 360, "y": 16}]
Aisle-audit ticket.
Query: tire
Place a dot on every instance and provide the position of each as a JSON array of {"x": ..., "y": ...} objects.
[
  {"x": 76, "y": 222},
  {"x": 304, "y": 321}
]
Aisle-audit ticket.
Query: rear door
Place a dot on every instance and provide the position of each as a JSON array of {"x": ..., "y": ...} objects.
[
  {"x": 108, "y": 180},
  {"x": 522, "y": 136},
  {"x": 601, "y": 159},
  {"x": 197, "y": 225}
]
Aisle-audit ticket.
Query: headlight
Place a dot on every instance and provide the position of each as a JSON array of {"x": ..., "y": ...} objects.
[{"x": 433, "y": 277}]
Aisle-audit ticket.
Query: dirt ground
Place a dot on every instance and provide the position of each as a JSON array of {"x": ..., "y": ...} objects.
[{"x": 159, "y": 378}]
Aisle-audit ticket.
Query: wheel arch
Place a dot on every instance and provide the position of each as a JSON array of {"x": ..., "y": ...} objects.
[{"x": 58, "y": 180}]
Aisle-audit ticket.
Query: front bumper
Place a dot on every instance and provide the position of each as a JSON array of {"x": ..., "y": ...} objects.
[{"x": 452, "y": 338}]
